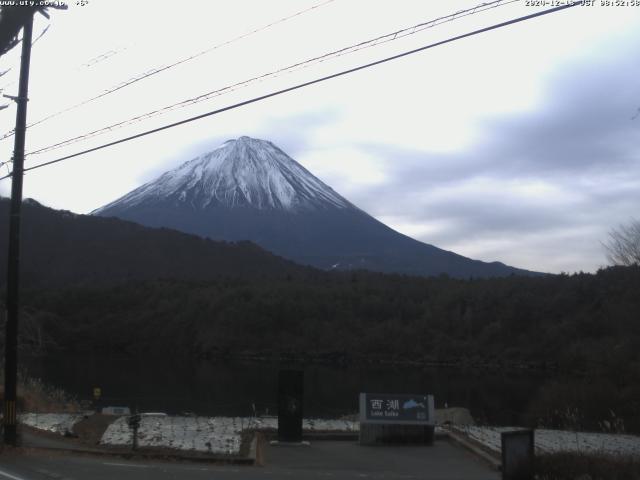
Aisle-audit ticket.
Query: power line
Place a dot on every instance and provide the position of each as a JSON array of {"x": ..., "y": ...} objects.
[
  {"x": 102, "y": 57},
  {"x": 41, "y": 35},
  {"x": 163, "y": 68},
  {"x": 87, "y": 64},
  {"x": 3, "y": 87},
  {"x": 311, "y": 82},
  {"x": 389, "y": 37}
]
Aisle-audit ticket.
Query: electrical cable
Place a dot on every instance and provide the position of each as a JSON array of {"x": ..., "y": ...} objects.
[
  {"x": 41, "y": 35},
  {"x": 163, "y": 68},
  {"x": 311, "y": 82},
  {"x": 12, "y": 82},
  {"x": 274, "y": 74}
]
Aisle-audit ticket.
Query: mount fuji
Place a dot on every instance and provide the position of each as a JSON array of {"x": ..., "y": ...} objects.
[{"x": 249, "y": 189}]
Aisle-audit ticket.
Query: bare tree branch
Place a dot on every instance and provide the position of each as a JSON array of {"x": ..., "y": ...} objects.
[{"x": 623, "y": 244}]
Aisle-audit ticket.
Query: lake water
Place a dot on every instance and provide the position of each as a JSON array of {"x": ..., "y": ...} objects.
[{"x": 227, "y": 388}]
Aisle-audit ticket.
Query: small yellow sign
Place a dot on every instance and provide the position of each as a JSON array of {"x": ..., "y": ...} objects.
[{"x": 97, "y": 392}]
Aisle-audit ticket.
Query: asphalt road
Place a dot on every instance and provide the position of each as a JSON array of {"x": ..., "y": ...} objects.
[{"x": 322, "y": 460}]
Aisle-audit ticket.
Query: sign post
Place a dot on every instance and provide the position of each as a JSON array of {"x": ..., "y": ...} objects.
[
  {"x": 134, "y": 424},
  {"x": 390, "y": 418},
  {"x": 97, "y": 393}
]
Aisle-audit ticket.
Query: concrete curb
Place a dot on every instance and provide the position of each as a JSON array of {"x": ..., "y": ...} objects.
[
  {"x": 335, "y": 436},
  {"x": 31, "y": 439},
  {"x": 270, "y": 434},
  {"x": 491, "y": 458},
  {"x": 142, "y": 454},
  {"x": 254, "y": 450}
]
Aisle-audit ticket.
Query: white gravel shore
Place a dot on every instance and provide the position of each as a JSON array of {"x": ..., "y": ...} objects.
[{"x": 553, "y": 441}]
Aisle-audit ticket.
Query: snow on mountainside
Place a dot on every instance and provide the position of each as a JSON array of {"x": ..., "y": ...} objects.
[
  {"x": 242, "y": 172},
  {"x": 249, "y": 189}
]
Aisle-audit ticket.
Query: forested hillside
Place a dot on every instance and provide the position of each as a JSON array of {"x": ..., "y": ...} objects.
[
  {"x": 138, "y": 291},
  {"x": 580, "y": 322},
  {"x": 64, "y": 248}
]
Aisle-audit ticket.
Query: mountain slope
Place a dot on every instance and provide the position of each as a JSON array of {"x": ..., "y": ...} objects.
[
  {"x": 63, "y": 248},
  {"x": 239, "y": 173},
  {"x": 249, "y": 189}
]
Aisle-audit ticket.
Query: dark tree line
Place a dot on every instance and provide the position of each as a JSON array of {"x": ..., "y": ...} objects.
[
  {"x": 103, "y": 285},
  {"x": 580, "y": 322}
]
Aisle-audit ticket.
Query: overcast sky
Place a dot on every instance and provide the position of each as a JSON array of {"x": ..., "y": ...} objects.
[{"x": 518, "y": 145}]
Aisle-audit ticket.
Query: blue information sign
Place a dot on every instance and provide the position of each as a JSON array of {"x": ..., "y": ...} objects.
[{"x": 397, "y": 409}]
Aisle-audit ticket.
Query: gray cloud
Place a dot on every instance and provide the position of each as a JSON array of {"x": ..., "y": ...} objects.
[
  {"x": 292, "y": 133},
  {"x": 581, "y": 141}
]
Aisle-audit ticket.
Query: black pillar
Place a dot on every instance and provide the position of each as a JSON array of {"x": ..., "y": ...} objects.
[{"x": 290, "y": 397}]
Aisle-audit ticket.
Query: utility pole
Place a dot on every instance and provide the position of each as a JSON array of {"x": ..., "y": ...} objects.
[{"x": 13, "y": 264}]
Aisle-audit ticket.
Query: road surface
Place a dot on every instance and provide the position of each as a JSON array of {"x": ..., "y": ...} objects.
[{"x": 322, "y": 460}]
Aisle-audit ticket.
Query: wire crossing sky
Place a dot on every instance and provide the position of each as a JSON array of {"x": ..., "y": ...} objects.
[
  {"x": 302, "y": 85},
  {"x": 162, "y": 68},
  {"x": 303, "y": 64},
  {"x": 518, "y": 145}
]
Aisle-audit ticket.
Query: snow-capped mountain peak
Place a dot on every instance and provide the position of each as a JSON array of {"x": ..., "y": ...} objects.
[
  {"x": 248, "y": 189},
  {"x": 245, "y": 172}
]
